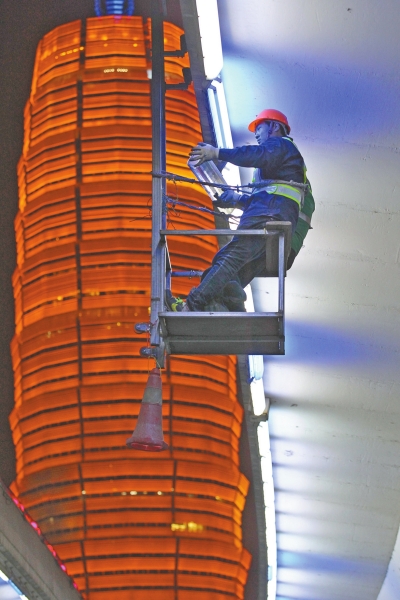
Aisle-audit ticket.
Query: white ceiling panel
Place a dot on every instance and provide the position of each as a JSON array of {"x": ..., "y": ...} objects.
[{"x": 333, "y": 68}]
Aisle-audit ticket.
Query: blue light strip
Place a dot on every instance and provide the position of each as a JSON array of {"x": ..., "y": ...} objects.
[
  {"x": 114, "y": 7},
  {"x": 8, "y": 589}
]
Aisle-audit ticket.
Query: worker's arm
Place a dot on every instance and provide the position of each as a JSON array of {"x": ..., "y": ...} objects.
[
  {"x": 203, "y": 152},
  {"x": 268, "y": 155},
  {"x": 231, "y": 199}
]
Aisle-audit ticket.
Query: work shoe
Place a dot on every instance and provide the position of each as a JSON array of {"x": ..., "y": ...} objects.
[
  {"x": 216, "y": 305},
  {"x": 234, "y": 297},
  {"x": 174, "y": 304}
]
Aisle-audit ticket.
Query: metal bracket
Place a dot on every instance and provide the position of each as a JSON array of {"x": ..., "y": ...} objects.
[
  {"x": 265, "y": 413},
  {"x": 142, "y": 327},
  {"x": 187, "y": 76},
  {"x": 148, "y": 352},
  {"x": 183, "y": 48},
  {"x": 156, "y": 352},
  {"x": 259, "y": 418}
]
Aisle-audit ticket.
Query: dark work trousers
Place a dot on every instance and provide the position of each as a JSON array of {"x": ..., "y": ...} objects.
[{"x": 242, "y": 259}]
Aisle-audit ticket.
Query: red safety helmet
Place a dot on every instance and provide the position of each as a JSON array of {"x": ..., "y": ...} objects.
[{"x": 269, "y": 114}]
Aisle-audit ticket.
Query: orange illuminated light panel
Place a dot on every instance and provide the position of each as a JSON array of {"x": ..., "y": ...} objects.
[{"x": 166, "y": 526}]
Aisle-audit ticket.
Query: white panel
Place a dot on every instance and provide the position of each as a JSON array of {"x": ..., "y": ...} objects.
[
  {"x": 333, "y": 68},
  {"x": 391, "y": 586}
]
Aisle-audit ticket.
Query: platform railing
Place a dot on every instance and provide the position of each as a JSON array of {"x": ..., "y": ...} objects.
[
  {"x": 272, "y": 229},
  {"x": 212, "y": 332}
]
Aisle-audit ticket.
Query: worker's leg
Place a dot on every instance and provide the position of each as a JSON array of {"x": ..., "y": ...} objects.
[
  {"x": 226, "y": 265},
  {"x": 232, "y": 296},
  {"x": 257, "y": 267}
]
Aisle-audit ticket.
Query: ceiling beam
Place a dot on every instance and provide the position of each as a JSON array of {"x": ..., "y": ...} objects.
[
  {"x": 26, "y": 560},
  {"x": 193, "y": 41}
]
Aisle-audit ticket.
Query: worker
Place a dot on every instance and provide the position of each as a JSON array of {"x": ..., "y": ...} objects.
[{"x": 276, "y": 158}]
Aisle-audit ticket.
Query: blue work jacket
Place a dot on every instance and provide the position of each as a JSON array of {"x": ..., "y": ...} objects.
[{"x": 278, "y": 159}]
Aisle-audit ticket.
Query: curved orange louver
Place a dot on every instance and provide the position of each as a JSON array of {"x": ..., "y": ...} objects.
[{"x": 167, "y": 526}]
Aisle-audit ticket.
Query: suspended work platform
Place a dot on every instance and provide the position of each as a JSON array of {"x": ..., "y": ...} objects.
[
  {"x": 223, "y": 333},
  {"x": 233, "y": 332}
]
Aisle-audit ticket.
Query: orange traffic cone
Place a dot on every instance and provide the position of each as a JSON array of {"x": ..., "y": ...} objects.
[{"x": 148, "y": 435}]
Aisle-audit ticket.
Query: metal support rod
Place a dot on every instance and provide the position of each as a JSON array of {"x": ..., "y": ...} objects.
[
  {"x": 281, "y": 273},
  {"x": 189, "y": 274},
  {"x": 216, "y": 232},
  {"x": 158, "y": 248}
]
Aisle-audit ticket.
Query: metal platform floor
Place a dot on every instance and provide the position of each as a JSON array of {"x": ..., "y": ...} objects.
[{"x": 223, "y": 332}]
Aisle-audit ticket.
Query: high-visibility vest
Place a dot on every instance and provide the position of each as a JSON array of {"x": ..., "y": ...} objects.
[
  {"x": 288, "y": 189},
  {"x": 304, "y": 222}
]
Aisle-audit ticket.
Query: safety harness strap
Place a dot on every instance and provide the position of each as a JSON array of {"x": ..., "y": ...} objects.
[{"x": 305, "y": 218}]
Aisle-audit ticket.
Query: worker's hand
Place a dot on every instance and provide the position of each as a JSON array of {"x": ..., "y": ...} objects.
[
  {"x": 228, "y": 199},
  {"x": 203, "y": 152}
]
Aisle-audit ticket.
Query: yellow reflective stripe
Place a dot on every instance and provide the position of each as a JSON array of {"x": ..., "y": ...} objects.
[
  {"x": 289, "y": 192},
  {"x": 283, "y": 190}
]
